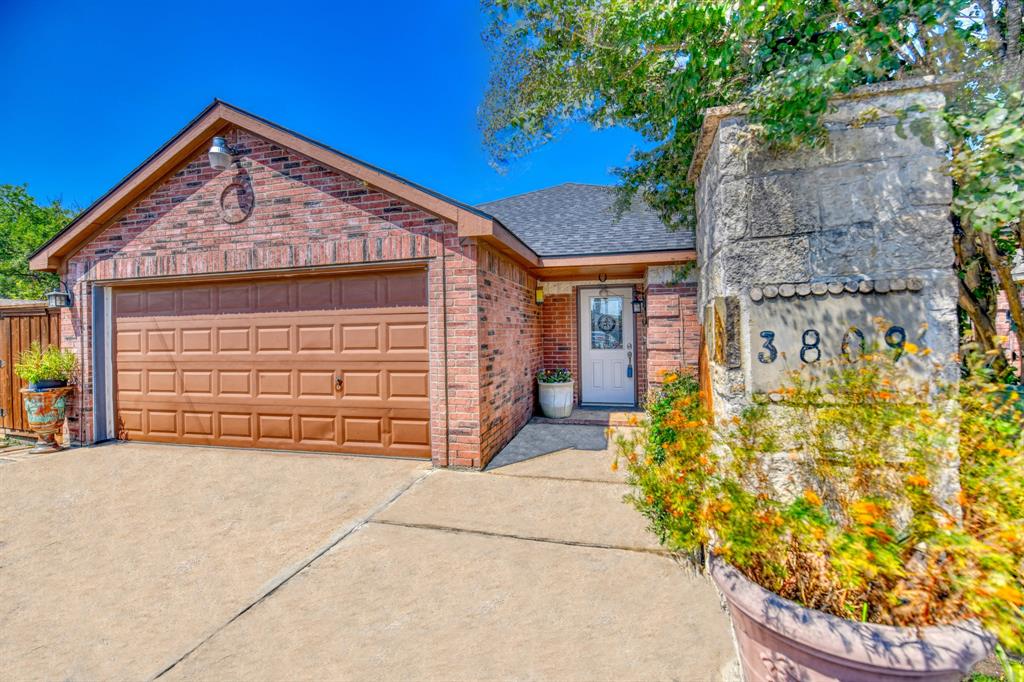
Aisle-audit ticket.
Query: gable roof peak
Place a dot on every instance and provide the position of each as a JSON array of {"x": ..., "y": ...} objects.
[{"x": 213, "y": 119}]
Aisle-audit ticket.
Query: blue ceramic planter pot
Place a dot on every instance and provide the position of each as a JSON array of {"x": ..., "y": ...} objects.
[{"x": 46, "y": 384}]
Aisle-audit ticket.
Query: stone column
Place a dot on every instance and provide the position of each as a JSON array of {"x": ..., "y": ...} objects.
[{"x": 796, "y": 248}]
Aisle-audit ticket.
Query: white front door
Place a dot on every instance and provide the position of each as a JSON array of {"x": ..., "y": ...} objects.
[{"x": 607, "y": 347}]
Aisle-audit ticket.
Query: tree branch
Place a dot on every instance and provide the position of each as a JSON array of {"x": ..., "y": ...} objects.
[
  {"x": 1013, "y": 21},
  {"x": 1005, "y": 277},
  {"x": 991, "y": 25},
  {"x": 984, "y": 330}
]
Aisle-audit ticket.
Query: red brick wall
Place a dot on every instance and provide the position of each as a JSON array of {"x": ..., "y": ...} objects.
[
  {"x": 510, "y": 349},
  {"x": 560, "y": 335},
  {"x": 673, "y": 331},
  {"x": 305, "y": 215}
]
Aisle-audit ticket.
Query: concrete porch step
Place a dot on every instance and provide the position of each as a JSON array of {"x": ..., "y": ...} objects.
[{"x": 595, "y": 416}]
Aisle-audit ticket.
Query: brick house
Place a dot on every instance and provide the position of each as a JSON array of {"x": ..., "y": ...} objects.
[{"x": 301, "y": 299}]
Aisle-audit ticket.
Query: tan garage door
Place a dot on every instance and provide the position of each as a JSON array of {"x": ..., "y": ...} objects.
[{"x": 308, "y": 363}]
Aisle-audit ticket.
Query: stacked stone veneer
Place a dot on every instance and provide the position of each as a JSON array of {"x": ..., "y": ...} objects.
[
  {"x": 870, "y": 206},
  {"x": 484, "y": 334}
]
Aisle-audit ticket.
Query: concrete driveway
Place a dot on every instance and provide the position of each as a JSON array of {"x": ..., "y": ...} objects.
[{"x": 140, "y": 561}]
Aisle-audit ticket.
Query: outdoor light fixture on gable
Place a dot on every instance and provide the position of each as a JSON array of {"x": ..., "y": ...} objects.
[
  {"x": 58, "y": 298},
  {"x": 221, "y": 154}
]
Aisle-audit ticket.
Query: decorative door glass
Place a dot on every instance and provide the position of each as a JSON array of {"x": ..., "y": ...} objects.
[{"x": 606, "y": 323}]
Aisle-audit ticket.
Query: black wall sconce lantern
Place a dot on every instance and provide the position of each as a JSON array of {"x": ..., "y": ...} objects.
[
  {"x": 539, "y": 294},
  {"x": 639, "y": 304},
  {"x": 58, "y": 298}
]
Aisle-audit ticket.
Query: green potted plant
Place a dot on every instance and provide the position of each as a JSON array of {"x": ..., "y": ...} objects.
[
  {"x": 859, "y": 526},
  {"x": 556, "y": 391},
  {"x": 48, "y": 374}
]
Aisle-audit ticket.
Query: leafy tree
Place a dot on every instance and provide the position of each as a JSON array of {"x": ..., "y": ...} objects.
[
  {"x": 655, "y": 65},
  {"x": 24, "y": 226}
]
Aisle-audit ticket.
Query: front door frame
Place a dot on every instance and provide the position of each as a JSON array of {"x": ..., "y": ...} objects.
[{"x": 628, "y": 310}]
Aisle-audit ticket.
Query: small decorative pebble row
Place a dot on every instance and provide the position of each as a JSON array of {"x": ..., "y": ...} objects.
[{"x": 864, "y": 286}]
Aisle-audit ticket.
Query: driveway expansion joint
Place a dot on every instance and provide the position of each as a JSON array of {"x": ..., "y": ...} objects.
[
  {"x": 526, "y": 538},
  {"x": 544, "y": 477},
  {"x": 282, "y": 579}
]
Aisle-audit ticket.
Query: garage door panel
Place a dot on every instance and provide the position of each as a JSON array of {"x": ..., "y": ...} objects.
[
  {"x": 362, "y": 430},
  {"x": 361, "y": 291},
  {"x": 130, "y": 421},
  {"x": 197, "y": 383},
  {"x": 197, "y": 341},
  {"x": 160, "y": 342},
  {"x": 406, "y": 289},
  {"x": 129, "y": 381},
  {"x": 407, "y": 385},
  {"x": 318, "y": 429},
  {"x": 406, "y": 336},
  {"x": 162, "y": 382},
  {"x": 197, "y": 424},
  {"x": 316, "y": 384},
  {"x": 311, "y": 294},
  {"x": 273, "y": 384},
  {"x": 128, "y": 340},
  {"x": 360, "y": 338},
  {"x": 315, "y": 338},
  {"x": 361, "y": 383},
  {"x": 164, "y": 422},
  {"x": 234, "y": 426},
  {"x": 251, "y": 364},
  {"x": 198, "y": 300},
  {"x": 234, "y": 340},
  {"x": 234, "y": 383},
  {"x": 275, "y": 339}
]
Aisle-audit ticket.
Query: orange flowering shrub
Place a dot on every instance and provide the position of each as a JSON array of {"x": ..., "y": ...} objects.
[{"x": 855, "y": 492}]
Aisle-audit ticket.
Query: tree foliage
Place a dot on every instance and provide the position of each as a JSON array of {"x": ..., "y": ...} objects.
[
  {"x": 654, "y": 66},
  {"x": 25, "y": 225}
]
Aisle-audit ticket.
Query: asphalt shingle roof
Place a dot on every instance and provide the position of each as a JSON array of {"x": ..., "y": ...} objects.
[{"x": 580, "y": 220}]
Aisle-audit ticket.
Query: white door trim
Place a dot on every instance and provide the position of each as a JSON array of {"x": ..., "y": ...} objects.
[{"x": 604, "y": 377}]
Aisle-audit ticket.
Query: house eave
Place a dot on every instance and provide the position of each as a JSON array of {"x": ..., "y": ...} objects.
[{"x": 618, "y": 265}]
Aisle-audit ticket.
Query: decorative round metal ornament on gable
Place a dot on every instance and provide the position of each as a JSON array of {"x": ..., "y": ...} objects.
[{"x": 237, "y": 201}]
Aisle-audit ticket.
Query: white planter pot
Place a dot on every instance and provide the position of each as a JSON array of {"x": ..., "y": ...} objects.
[{"x": 556, "y": 399}]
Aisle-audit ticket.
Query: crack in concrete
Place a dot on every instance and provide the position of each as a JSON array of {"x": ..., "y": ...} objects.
[
  {"x": 528, "y": 538},
  {"x": 283, "y": 578},
  {"x": 557, "y": 478}
]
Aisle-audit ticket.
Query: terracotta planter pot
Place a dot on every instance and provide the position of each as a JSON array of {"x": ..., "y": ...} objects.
[
  {"x": 556, "y": 399},
  {"x": 46, "y": 411},
  {"x": 780, "y": 640}
]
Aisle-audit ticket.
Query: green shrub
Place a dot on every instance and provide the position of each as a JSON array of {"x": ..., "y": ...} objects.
[
  {"x": 554, "y": 376},
  {"x": 53, "y": 364}
]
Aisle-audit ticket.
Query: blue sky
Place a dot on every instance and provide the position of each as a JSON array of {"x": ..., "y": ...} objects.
[{"x": 91, "y": 89}]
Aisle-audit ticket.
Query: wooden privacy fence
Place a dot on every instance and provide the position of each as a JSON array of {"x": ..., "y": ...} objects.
[{"x": 20, "y": 324}]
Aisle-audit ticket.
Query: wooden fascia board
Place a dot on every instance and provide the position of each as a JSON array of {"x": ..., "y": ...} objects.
[
  {"x": 639, "y": 258},
  {"x": 613, "y": 265}
]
